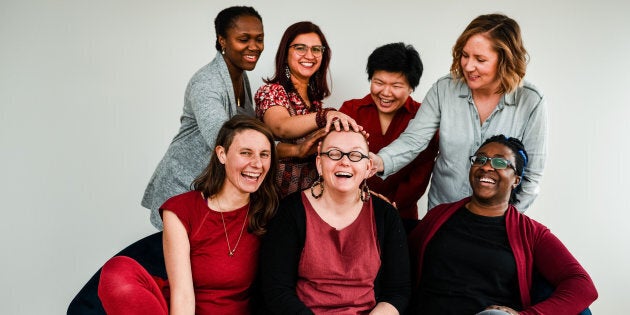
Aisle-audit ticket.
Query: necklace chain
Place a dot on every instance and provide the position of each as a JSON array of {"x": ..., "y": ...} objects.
[{"x": 231, "y": 250}]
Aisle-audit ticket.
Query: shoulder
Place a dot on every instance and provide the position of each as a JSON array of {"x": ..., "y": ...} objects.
[
  {"x": 273, "y": 88},
  {"x": 525, "y": 95},
  {"x": 384, "y": 212},
  {"x": 449, "y": 86},
  {"x": 355, "y": 104},
  {"x": 182, "y": 200}
]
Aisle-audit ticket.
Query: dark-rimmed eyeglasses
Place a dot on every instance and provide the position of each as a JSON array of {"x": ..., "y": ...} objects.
[
  {"x": 497, "y": 163},
  {"x": 336, "y": 155},
  {"x": 301, "y": 49}
]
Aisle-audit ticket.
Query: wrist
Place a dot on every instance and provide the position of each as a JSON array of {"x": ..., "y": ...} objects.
[{"x": 320, "y": 117}]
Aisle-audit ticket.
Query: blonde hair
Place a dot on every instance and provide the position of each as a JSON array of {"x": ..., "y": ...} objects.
[{"x": 505, "y": 35}]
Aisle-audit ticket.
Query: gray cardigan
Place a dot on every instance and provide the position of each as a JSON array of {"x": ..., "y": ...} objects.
[{"x": 208, "y": 103}]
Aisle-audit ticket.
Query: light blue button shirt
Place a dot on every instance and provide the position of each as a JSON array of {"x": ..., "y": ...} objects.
[{"x": 449, "y": 107}]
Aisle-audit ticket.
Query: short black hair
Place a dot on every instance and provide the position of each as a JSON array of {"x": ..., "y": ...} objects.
[
  {"x": 226, "y": 19},
  {"x": 399, "y": 58},
  {"x": 520, "y": 156}
]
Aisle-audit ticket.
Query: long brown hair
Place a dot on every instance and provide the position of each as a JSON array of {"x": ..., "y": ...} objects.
[
  {"x": 318, "y": 85},
  {"x": 505, "y": 35},
  {"x": 264, "y": 201}
]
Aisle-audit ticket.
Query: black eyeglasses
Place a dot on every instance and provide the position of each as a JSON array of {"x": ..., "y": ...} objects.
[
  {"x": 497, "y": 163},
  {"x": 301, "y": 49},
  {"x": 336, "y": 155}
]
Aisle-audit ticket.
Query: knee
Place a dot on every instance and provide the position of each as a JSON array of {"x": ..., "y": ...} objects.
[{"x": 118, "y": 276}]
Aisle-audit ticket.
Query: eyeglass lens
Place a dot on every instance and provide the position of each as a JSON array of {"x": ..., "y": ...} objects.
[
  {"x": 497, "y": 163},
  {"x": 336, "y": 155},
  {"x": 301, "y": 49}
]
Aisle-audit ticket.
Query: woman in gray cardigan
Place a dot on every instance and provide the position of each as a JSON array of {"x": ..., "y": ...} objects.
[{"x": 215, "y": 93}]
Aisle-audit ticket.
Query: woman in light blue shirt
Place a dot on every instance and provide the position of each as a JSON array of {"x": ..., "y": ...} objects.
[{"x": 484, "y": 95}]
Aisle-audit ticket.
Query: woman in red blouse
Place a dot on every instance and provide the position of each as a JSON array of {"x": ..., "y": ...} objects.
[
  {"x": 394, "y": 71},
  {"x": 291, "y": 104},
  {"x": 211, "y": 234}
]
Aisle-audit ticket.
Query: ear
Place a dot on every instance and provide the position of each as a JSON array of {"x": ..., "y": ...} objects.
[
  {"x": 517, "y": 181},
  {"x": 222, "y": 41},
  {"x": 369, "y": 166},
  {"x": 318, "y": 164},
  {"x": 220, "y": 152}
]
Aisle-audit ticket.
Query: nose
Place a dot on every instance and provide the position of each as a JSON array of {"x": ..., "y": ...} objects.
[
  {"x": 387, "y": 90},
  {"x": 468, "y": 64},
  {"x": 256, "y": 161},
  {"x": 254, "y": 45},
  {"x": 309, "y": 53}
]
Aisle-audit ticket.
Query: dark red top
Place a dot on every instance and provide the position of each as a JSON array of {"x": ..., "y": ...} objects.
[
  {"x": 338, "y": 267},
  {"x": 406, "y": 186},
  {"x": 221, "y": 282}
]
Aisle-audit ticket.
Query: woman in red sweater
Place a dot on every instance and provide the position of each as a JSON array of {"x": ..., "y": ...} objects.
[{"x": 481, "y": 255}]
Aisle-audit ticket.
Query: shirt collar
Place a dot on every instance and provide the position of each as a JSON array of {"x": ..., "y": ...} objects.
[{"x": 508, "y": 99}]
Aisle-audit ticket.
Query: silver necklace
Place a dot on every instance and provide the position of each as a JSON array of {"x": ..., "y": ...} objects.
[{"x": 230, "y": 249}]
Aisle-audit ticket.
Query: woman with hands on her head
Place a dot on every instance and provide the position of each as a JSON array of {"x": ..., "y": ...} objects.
[
  {"x": 394, "y": 71},
  {"x": 215, "y": 93},
  {"x": 211, "y": 234},
  {"x": 332, "y": 249},
  {"x": 484, "y": 95},
  {"x": 291, "y": 104},
  {"x": 481, "y": 253}
]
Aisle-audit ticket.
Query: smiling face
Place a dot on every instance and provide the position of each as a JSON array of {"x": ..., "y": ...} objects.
[
  {"x": 489, "y": 185},
  {"x": 389, "y": 91},
  {"x": 246, "y": 161},
  {"x": 244, "y": 43},
  {"x": 303, "y": 67},
  {"x": 479, "y": 63},
  {"x": 343, "y": 176}
]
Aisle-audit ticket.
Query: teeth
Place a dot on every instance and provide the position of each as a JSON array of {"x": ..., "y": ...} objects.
[
  {"x": 343, "y": 174},
  {"x": 307, "y": 64},
  {"x": 249, "y": 174},
  {"x": 386, "y": 101},
  {"x": 487, "y": 180}
]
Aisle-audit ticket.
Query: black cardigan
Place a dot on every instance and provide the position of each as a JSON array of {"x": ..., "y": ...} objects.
[{"x": 282, "y": 247}]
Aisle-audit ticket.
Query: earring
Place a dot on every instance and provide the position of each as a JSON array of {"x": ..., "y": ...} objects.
[
  {"x": 287, "y": 72},
  {"x": 364, "y": 191},
  {"x": 319, "y": 182},
  {"x": 222, "y": 50}
]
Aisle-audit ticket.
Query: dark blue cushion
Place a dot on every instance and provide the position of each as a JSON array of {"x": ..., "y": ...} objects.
[{"x": 147, "y": 252}]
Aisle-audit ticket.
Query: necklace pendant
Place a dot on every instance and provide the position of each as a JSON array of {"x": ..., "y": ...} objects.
[{"x": 230, "y": 253}]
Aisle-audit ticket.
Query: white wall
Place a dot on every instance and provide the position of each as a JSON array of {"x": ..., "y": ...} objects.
[{"x": 91, "y": 92}]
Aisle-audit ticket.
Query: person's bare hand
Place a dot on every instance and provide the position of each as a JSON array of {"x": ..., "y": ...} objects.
[
  {"x": 311, "y": 143},
  {"x": 377, "y": 164},
  {"x": 340, "y": 121},
  {"x": 502, "y": 308}
]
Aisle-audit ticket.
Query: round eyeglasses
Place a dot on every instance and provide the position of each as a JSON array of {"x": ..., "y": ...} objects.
[
  {"x": 336, "y": 155},
  {"x": 497, "y": 163},
  {"x": 301, "y": 49}
]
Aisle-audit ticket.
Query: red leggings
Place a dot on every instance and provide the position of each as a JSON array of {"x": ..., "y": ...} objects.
[{"x": 127, "y": 288}]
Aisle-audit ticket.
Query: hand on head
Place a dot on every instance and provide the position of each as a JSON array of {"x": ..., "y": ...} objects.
[{"x": 340, "y": 121}]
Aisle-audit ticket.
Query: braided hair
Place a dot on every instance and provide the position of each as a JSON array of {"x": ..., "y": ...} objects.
[{"x": 520, "y": 156}]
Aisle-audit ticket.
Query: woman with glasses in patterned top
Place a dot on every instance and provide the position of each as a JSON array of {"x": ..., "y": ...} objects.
[
  {"x": 481, "y": 256},
  {"x": 290, "y": 103},
  {"x": 331, "y": 248}
]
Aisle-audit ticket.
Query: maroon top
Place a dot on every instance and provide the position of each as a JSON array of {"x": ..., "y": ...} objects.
[
  {"x": 406, "y": 186},
  {"x": 338, "y": 267},
  {"x": 221, "y": 282}
]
